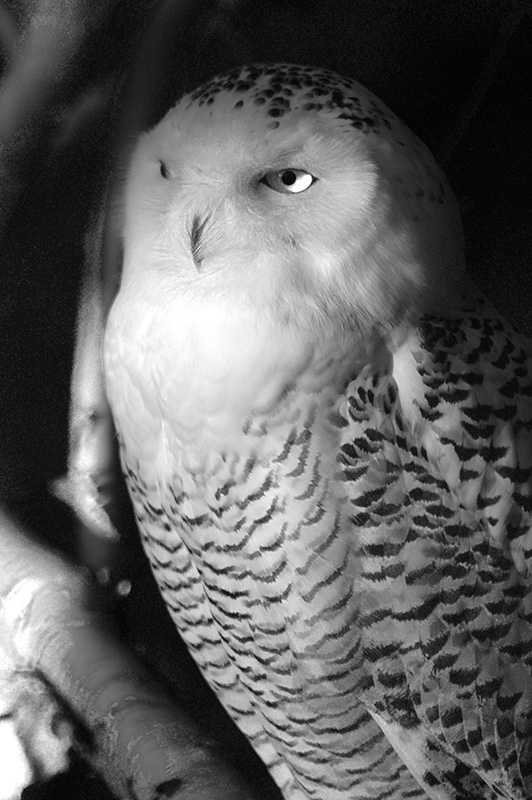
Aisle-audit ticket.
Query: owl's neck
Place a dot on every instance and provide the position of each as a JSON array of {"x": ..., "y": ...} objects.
[{"x": 205, "y": 375}]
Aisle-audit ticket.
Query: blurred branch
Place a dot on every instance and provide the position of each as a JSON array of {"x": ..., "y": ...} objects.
[
  {"x": 93, "y": 470},
  {"x": 60, "y": 654}
]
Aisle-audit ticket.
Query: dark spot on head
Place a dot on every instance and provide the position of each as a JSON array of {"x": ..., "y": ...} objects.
[
  {"x": 338, "y": 98},
  {"x": 362, "y": 123},
  {"x": 275, "y": 112},
  {"x": 239, "y": 104}
]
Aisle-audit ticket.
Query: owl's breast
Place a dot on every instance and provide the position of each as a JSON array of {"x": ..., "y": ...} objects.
[
  {"x": 250, "y": 536},
  {"x": 247, "y": 483},
  {"x": 196, "y": 373},
  {"x": 271, "y": 560}
]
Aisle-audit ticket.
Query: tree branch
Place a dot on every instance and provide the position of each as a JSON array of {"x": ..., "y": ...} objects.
[{"x": 123, "y": 724}]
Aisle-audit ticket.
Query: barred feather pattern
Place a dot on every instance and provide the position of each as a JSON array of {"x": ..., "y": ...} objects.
[{"x": 358, "y": 573}]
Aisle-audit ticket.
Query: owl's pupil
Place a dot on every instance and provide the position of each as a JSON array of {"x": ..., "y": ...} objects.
[
  {"x": 288, "y": 177},
  {"x": 164, "y": 170}
]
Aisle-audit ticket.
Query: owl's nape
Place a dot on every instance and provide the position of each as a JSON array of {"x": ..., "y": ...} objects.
[{"x": 327, "y": 439}]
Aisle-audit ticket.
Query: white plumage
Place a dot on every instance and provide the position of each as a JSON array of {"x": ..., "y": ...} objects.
[{"x": 327, "y": 437}]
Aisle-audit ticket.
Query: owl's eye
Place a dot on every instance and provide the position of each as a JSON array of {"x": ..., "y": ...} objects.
[
  {"x": 165, "y": 172},
  {"x": 289, "y": 181}
]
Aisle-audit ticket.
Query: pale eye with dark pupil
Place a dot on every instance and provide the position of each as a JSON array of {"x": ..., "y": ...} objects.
[
  {"x": 288, "y": 177},
  {"x": 288, "y": 181}
]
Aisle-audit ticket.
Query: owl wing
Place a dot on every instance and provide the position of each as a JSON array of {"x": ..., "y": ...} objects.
[{"x": 437, "y": 454}]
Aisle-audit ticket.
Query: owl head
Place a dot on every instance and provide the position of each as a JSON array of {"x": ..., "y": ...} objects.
[{"x": 293, "y": 192}]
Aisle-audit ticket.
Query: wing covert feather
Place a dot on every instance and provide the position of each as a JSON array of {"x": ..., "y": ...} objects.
[{"x": 438, "y": 453}]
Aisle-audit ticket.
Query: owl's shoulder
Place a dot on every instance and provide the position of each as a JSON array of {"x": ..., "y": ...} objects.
[{"x": 465, "y": 391}]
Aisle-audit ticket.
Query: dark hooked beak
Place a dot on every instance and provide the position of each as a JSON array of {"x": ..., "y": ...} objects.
[{"x": 196, "y": 232}]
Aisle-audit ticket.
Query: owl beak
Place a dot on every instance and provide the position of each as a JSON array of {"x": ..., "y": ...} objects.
[{"x": 196, "y": 232}]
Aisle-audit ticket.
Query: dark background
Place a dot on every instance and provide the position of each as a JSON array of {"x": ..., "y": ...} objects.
[{"x": 460, "y": 74}]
